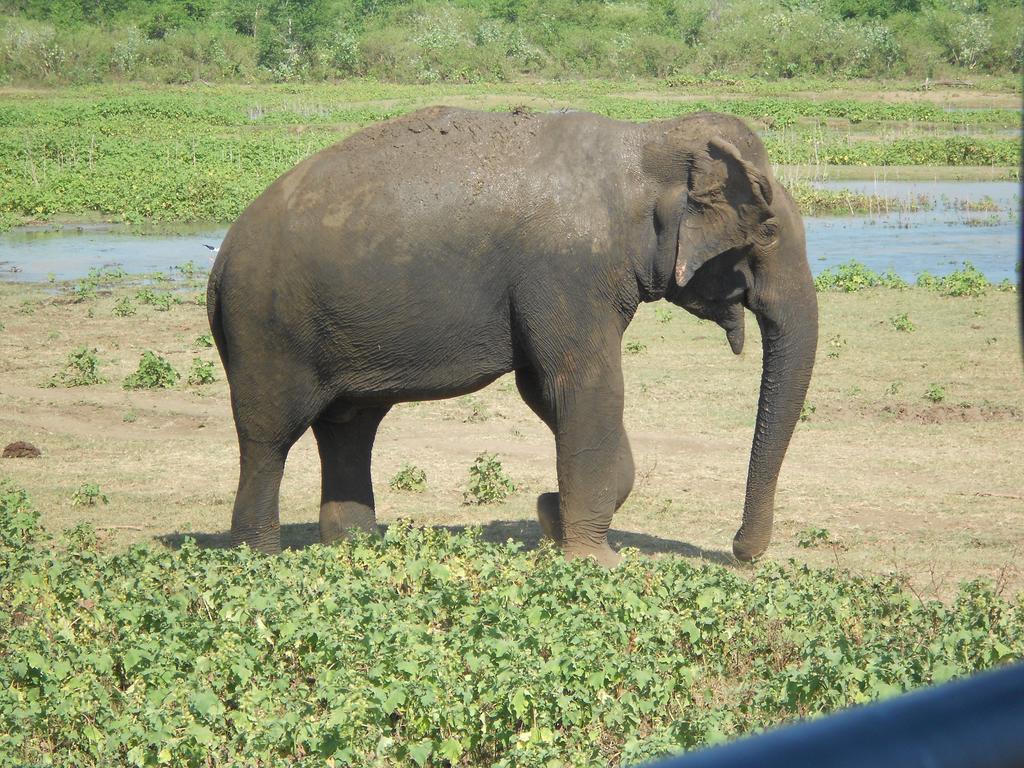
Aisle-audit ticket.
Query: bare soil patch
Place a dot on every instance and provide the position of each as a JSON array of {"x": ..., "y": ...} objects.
[{"x": 931, "y": 490}]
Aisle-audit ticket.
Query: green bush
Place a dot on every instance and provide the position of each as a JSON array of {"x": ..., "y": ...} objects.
[
  {"x": 201, "y": 372},
  {"x": 88, "y": 495},
  {"x": 81, "y": 370},
  {"x": 154, "y": 372},
  {"x": 124, "y": 307},
  {"x": 935, "y": 393},
  {"x": 853, "y": 276},
  {"x": 901, "y": 322},
  {"x": 488, "y": 482},
  {"x": 966, "y": 281},
  {"x": 409, "y": 478},
  {"x": 426, "y": 647}
]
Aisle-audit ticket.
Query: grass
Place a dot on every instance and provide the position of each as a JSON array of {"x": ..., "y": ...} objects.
[{"x": 181, "y": 155}]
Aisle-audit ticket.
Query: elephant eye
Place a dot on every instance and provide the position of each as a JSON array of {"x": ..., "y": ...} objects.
[{"x": 767, "y": 232}]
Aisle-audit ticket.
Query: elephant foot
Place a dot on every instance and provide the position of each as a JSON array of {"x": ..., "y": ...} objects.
[
  {"x": 337, "y": 519},
  {"x": 265, "y": 539},
  {"x": 549, "y": 516},
  {"x": 605, "y": 555}
]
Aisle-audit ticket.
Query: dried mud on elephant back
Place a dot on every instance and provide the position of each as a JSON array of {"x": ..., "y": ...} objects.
[{"x": 21, "y": 450}]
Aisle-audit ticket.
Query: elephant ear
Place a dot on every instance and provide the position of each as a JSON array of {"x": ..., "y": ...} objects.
[{"x": 727, "y": 200}]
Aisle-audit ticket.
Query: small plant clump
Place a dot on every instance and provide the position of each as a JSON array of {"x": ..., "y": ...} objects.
[
  {"x": 967, "y": 281},
  {"x": 488, "y": 482},
  {"x": 81, "y": 370},
  {"x": 664, "y": 314},
  {"x": 203, "y": 341},
  {"x": 901, "y": 322},
  {"x": 854, "y": 276},
  {"x": 935, "y": 393},
  {"x": 88, "y": 495},
  {"x": 162, "y": 301},
  {"x": 806, "y": 411},
  {"x": 201, "y": 372},
  {"x": 154, "y": 372},
  {"x": 125, "y": 307},
  {"x": 835, "y": 344},
  {"x": 409, "y": 478},
  {"x": 635, "y": 347},
  {"x": 812, "y": 537}
]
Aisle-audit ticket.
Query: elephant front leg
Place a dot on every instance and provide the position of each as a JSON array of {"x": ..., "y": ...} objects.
[
  {"x": 595, "y": 468},
  {"x": 346, "y": 489},
  {"x": 549, "y": 512}
]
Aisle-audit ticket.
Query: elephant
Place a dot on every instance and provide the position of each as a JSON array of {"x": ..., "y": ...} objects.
[{"x": 425, "y": 256}]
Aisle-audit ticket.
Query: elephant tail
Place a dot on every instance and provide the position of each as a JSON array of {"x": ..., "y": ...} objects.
[{"x": 214, "y": 314}]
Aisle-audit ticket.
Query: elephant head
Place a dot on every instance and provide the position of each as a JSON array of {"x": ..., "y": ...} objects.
[{"x": 737, "y": 241}]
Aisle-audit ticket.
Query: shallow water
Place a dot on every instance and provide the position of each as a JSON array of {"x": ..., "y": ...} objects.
[{"x": 936, "y": 240}]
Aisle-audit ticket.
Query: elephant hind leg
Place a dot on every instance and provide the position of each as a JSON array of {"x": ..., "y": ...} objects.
[
  {"x": 345, "y": 440},
  {"x": 255, "y": 519}
]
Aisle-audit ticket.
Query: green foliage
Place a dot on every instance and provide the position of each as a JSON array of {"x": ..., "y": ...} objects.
[
  {"x": 203, "y": 155},
  {"x": 664, "y": 314},
  {"x": 635, "y": 347},
  {"x": 125, "y": 307},
  {"x": 162, "y": 301},
  {"x": 967, "y": 281},
  {"x": 154, "y": 372},
  {"x": 854, "y": 276},
  {"x": 425, "y": 647},
  {"x": 935, "y": 393},
  {"x": 901, "y": 322},
  {"x": 809, "y": 538},
  {"x": 88, "y": 495},
  {"x": 806, "y": 411},
  {"x": 203, "y": 341},
  {"x": 488, "y": 482},
  {"x": 474, "y": 40},
  {"x": 201, "y": 372},
  {"x": 409, "y": 478},
  {"x": 81, "y": 370}
]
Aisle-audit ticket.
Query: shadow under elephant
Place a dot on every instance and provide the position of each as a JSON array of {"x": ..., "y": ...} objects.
[{"x": 526, "y": 532}]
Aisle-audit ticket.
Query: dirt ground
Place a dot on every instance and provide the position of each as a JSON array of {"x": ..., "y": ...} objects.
[{"x": 928, "y": 489}]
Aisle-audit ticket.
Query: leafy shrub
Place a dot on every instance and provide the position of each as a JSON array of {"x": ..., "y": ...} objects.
[
  {"x": 488, "y": 482},
  {"x": 935, "y": 393},
  {"x": 124, "y": 307},
  {"x": 901, "y": 322},
  {"x": 154, "y": 372},
  {"x": 809, "y": 538},
  {"x": 88, "y": 495},
  {"x": 409, "y": 478},
  {"x": 161, "y": 300},
  {"x": 81, "y": 370},
  {"x": 455, "y": 651},
  {"x": 201, "y": 372},
  {"x": 966, "y": 281},
  {"x": 854, "y": 276}
]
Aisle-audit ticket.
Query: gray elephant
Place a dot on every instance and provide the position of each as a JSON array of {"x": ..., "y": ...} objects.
[{"x": 426, "y": 256}]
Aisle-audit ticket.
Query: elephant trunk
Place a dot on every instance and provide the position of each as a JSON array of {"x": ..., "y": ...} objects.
[{"x": 790, "y": 339}]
